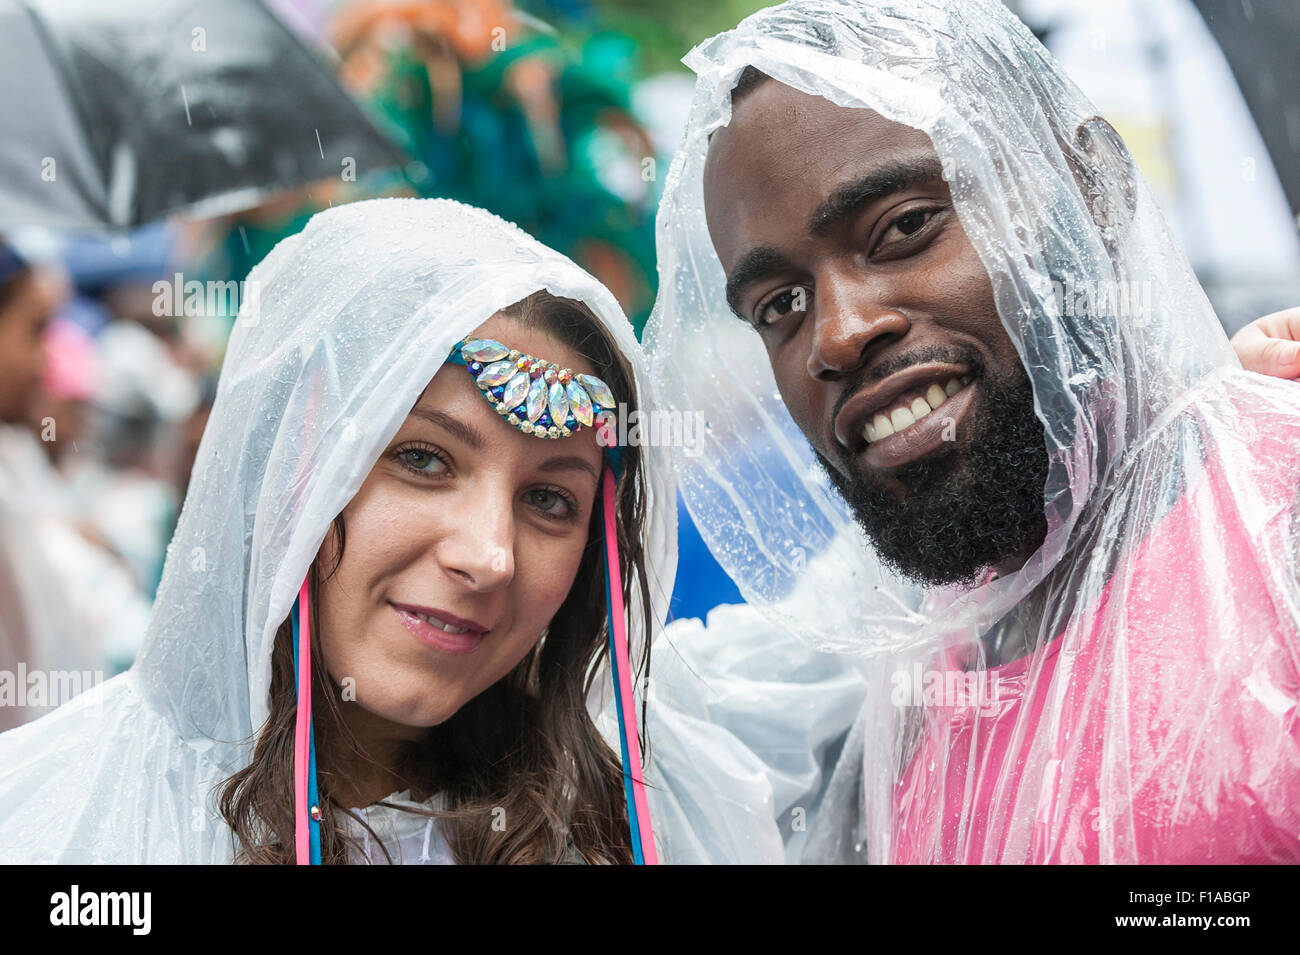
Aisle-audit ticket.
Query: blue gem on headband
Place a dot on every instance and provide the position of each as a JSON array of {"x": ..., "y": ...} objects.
[{"x": 534, "y": 395}]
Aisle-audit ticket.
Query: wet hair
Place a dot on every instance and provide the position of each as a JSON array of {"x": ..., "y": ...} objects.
[{"x": 526, "y": 745}]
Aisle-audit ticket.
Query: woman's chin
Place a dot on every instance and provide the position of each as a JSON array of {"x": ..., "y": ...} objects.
[{"x": 417, "y": 714}]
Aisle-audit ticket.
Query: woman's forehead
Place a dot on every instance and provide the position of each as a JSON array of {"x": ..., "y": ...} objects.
[{"x": 534, "y": 340}]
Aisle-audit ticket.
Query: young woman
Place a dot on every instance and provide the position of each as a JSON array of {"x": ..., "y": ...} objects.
[
  {"x": 384, "y": 629},
  {"x": 459, "y": 613}
]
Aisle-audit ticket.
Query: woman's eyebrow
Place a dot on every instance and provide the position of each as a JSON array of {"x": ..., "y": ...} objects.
[
  {"x": 471, "y": 436},
  {"x": 456, "y": 427},
  {"x": 573, "y": 463}
]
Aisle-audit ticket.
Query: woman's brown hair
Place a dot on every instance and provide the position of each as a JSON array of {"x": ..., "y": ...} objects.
[{"x": 526, "y": 745}]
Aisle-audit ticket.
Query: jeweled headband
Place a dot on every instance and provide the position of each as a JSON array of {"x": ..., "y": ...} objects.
[{"x": 536, "y": 396}]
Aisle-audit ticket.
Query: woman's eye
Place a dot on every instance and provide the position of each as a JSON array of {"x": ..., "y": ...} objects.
[
  {"x": 550, "y": 502},
  {"x": 781, "y": 305},
  {"x": 906, "y": 226},
  {"x": 423, "y": 460}
]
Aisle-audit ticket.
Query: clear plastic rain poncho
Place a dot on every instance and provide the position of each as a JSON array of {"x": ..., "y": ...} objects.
[
  {"x": 346, "y": 324},
  {"x": 1156, "y": 718}
]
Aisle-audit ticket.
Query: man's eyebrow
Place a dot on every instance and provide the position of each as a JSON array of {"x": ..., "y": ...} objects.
[
  {"x": 573, "y": 463},
  {"x": 754, "y": 265},
  {"x": 455, "y": 426},
  {"x": 848, "y": 198}
]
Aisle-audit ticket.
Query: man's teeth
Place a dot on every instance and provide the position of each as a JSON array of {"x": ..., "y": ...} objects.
[
  {"x": 904, "y": 415},
  {"x": 439, "y": 624}
]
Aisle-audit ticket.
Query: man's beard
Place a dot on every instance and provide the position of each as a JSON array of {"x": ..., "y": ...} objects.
[{"x": 967, "y": 507}]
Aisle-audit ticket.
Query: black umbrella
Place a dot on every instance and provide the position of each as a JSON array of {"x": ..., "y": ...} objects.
[{"x": 119, "y": 113}]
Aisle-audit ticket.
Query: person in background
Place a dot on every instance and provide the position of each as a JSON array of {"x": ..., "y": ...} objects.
[
  {"x": 34, "y": 624},
  {"x": 69, "y": 606}
]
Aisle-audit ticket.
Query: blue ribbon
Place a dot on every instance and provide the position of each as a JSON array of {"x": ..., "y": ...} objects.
[{"x": 313, "y": 826}]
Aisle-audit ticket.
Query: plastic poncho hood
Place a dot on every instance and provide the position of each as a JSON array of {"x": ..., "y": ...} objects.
[
  {"x": 344, "y": 326},
  {"x": 1169, "y": 502},
  {"x": 340, "y": 329}
]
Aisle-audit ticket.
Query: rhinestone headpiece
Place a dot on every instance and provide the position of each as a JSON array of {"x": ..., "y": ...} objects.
[{"x": 536, "y": 396}]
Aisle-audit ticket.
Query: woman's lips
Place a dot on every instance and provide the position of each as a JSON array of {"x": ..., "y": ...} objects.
[{"x": 435, "y": 633}]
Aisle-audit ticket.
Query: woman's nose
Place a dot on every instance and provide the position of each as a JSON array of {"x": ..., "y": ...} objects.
[{"x": 480, "y": 549}]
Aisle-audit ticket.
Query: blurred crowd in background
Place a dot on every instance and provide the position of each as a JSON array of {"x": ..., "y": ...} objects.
[{"x": 562, "y": 117}]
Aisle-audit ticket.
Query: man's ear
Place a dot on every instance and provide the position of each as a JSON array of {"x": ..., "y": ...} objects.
[{"x": 1104, "y": 171}]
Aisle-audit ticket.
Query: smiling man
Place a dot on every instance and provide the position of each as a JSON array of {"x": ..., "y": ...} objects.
[
  {"x": 903, "y": 325},
  {"x": 970, "y": 417}
]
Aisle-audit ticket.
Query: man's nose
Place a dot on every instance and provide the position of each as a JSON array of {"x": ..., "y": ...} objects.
[
  {"x": 480, "y": 550},
  {"x": 851, "y": 322}
]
